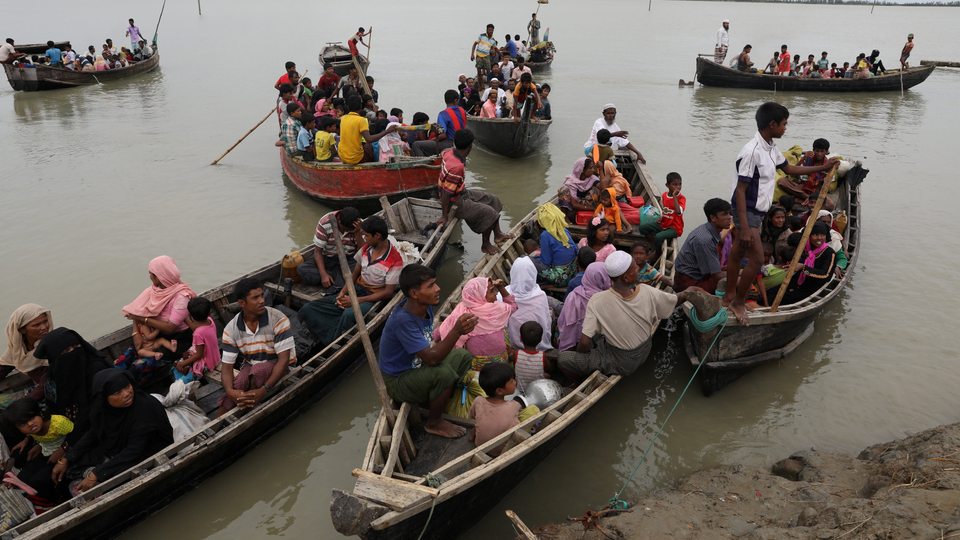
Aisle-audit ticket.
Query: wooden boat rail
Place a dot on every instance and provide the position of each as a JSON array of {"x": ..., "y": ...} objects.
[{"x": 110, "y": 493}]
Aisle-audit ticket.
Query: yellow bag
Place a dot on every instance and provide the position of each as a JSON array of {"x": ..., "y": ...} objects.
[
  {"x": 841, "y": 221},
  {"x": 467, "y": 390}
]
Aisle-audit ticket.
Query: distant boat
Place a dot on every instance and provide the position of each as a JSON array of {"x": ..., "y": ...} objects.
[
  {"x": 42, "y": 77},
  {"x": 710, "y": 73},
  {"x": 506, "y": 137},
  {"x": 339, "y": 57},
  {"x": 39, "y": 48}
]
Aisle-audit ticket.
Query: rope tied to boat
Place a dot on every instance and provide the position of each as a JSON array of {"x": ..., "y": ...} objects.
[
  {"x": 705, "y": 326},
  {"x": 616, "y": 502},
  {"x": 434, "y": 481}
]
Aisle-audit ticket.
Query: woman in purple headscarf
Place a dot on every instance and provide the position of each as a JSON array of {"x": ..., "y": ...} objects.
[{"x": 595, "y": 280}]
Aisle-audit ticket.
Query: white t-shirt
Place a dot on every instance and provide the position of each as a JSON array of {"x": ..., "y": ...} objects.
[
  {"x": 506, "y": 70},
  {"x": 723, "y": 38},
  {"x": 5, "y": 51},
  {"x": 627, "y": 322},
  {"x": 69, "y": 59},
  {"x": 757, "y": 165}
]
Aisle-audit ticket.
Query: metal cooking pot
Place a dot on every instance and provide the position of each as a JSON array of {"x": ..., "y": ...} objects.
[{"x": 541, "y": 392}]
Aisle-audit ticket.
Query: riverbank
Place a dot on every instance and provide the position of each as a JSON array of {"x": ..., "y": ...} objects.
[{"x": 905, "y": 489}]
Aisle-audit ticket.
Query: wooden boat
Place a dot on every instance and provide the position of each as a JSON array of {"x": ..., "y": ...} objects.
[
  {"x": 540, "y": 66},
  {"x": 393, "y": 498},
  {"x": 42, "y": 77},
  {"x": 339, "y": 57},
  {"x": 710, "y": 73},
  {"x": 506, "y": 137},
  {"x": 339, "y": 184},
  {"x": 39, "y": 48},
  {"x": 770, "y": 336},
  {"x": 119, "y": 503}
]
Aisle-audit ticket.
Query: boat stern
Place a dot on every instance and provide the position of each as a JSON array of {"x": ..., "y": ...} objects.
[{"x": 352, "y": 516}]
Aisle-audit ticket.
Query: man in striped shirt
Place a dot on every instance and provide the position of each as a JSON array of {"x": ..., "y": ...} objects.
[
  {"x": 698, "y": 263},
  {"x": 324, "y": 267},
  {"x": 263, "y": 336}
]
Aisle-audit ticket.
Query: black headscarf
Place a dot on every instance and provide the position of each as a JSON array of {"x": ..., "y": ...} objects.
[
  {"x": 71, "y": 373},
  {"x": 770, "y": 233},
  {"x": 114, "y": 427}
]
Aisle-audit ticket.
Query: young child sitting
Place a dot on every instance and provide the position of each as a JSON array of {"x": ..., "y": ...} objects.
[
  {"x": 204, "y": 354},
  {"x": 602, "y": 151},
  {"x": 609, "y": 209},
  {"x": 305, "y": 146},
  {"x": 493, "y": 415},
  {"x": 147, "y": 340},
  {"x": 26, "y": 416},
  {"x": 531, "y": 364},
  {"x": 794, "y": 224},
  {"x": 648, "y": 275},
  {"x": 325, "y": 144},
  {"x": 585, "y": 257},
  {"x": 531, "y": 247},
  {"x": 599, "y": 238},
  {"x": 670, "y": 224}
]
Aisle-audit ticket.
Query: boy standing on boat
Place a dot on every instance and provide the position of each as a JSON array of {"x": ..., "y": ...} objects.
[
  {"x": 480, "y": 210},
  {"x": 481, "y": 52},
  {"x": 905, "y": 54},
  {"x": 753, "y": 187},
  {"x": 414, "y": 371},
  {"x": 134, "y": 33}
]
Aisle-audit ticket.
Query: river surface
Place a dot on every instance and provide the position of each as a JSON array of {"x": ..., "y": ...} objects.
[{"x": 96, "y": 181}]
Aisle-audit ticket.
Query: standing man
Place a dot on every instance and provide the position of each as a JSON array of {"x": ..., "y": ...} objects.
[
  {"x": 905, "y": 54},
  {"x": 534, "y": 28},
  {"x": 723, "y": 42},
  {"x": 8, "y": 54},
  {"x": 480, "y": 210},
  {"x": 481, "y": 51},
  {"x": 618, "y": 137},
  {"x": 134, "y": 33}
]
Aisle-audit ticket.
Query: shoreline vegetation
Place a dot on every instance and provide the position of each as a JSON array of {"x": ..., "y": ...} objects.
[{"x": 955, "y": 3}]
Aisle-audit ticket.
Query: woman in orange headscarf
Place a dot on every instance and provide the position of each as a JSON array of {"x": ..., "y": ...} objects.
[{"x": 610, "y": 174}]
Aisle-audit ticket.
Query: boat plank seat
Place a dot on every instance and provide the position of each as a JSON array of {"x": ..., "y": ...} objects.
[
  {"x": 413, "y": 238},
  {"x": 394, "y": 493},
  {"x": 302, "y": 292}
]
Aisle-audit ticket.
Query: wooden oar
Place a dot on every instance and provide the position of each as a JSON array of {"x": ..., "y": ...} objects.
[
  {"x": 372, "y": 360},
  {"x": 272, "y": 111},
  {"x": 803, "y": 239},
  {"x": 369, "y": 42}
]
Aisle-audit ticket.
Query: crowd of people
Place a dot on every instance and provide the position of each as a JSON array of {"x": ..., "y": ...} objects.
[
  {"x": 784, "y": 65},
  {"x": 109, "y": 57}
]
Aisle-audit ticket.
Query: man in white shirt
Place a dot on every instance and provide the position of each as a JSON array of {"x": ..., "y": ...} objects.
[
  {"x": 494, "y": 85},
  {"x": 723, "y": 42},
  {"x": 618, "y": 137},
  {"x": 8, "y": 54},
  {"x": 69, "y": 57}
]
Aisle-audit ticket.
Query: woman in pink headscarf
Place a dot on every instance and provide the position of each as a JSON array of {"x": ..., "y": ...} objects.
[
  {"x": 163, "y": 306},
  {"x": 488, "y": 340}
]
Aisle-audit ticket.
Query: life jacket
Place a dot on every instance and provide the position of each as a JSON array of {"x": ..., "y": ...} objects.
[{"x": 458, "y": 120}]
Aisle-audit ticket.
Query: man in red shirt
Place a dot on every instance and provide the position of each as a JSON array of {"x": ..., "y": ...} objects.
[
  {"x": 480, "y": 210},
  {"x": 784, "y": 61},
  {"x": 328, "y": 81}
]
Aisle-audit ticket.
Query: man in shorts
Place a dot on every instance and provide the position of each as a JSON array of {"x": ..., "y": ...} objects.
[
  {"x": 905, "y": 53},
  {"x": 481, "y": 52}
]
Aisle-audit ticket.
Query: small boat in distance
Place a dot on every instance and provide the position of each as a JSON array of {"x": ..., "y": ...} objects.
[
  {"x": 43, "y": 77},
  {"x": 340, "y": 184},
  {"x": 709, "y": 73},
  {"x": 506, "y": 137},
  {"x": 39, "y": 48},
  {"x": 339, "y": 57}
]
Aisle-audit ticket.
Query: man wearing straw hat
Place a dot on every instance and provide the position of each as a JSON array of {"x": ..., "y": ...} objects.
[
  {"x": 619, "y": 323},
  {"x": 723, "y": 42}
]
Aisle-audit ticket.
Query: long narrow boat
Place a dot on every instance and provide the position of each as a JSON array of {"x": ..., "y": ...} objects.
[
  {"x": 710, "y": 73},
  {"x": 339, "y": 57},
  {"x": 119, "y": 503},
  {"x": 506, "y": 137},
  {"x": 393, "y": 498},
  {"x": 770, "y": 336},
  {"x": 339, "y": 184},
  {"x": 41, "y": 77}
]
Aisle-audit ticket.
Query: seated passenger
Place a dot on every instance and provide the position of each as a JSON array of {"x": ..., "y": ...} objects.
[
  {"x": 580, "y": 191},
  {"x": 375, "y": 278},
  {"x": 773, "y": 66},
  {"x": 792, "y": 224},
  {"x": 264, "y": 337},
  {"x": 100, "y": 64},
  {"x": 490, "y": 109},
  {"x": 585, "y": 257},
  {"x": 493, "y": 414},
  {"x": 26, "y": 327},
  {"x": 325, "y": 142},
  {"x": 674, "y": 204},
  {"x": 557, "y": 248},
  {"x": 147, "y": 340},
  {"x": 610, "y": 176},
  {"x": 49, "y": 432},
  {"x": 602, "y": 151},
  {"x": 618, "y": 323},
  {"x": 837, "y": 243},
  {"x": 698, "y": 262},
  {"x": 204, "y": 354},
  {"x": 305, "y": 148},
  {"x": 599, "y": 238},
  {"x": 818, "y": 263},
  {"x": 743, "y": 61},
  {"x": 648, "y": 275},
  {"x": 544, "y": 112},
  {"x": 806, "y": 194},
  {"x": 290, "y": 128},
  {"x": 355, "y": 138},
  {"x": 774, "y": 224},
  {"x": 531, "y": 362},
  {"x": 127, "y": 426},
  {"x": 570, "y": 323},
  {"x": 324, "y": 267},
  {"x": 414, "y": 371},
  {"x": 876, "y": 64},
  {"x": 533, "y": 305},
  {"x": 487, "y": 342}
]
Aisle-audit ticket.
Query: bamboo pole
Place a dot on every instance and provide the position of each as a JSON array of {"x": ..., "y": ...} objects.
[
  {"x": 272, "y": 111},
  {"x": 369, "y": 42},
  {"x": 525, "y": 531},
  {"x": 198, "y": 8},
  {"x": 803, "y": 239}
]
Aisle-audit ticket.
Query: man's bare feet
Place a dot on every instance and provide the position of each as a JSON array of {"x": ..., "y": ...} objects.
[
  {"x": 490, "y": 249},
  {"x": 442, "y": 428},
  {"x": 740, "y": 312},
  {"x": 497, "y": 238}
]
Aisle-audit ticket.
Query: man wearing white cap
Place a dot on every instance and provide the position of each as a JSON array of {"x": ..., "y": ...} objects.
[
  {"x": 618, "y": 137},
  {"x": 723, "y": 42},
  {"x": 619, "y": 323}
]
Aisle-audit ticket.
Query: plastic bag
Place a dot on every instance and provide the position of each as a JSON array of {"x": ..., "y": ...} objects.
[
  {"x": 184, "y": 416},
  {"x": 467, "y": 390},
  {"x": 408, "y": 251}
]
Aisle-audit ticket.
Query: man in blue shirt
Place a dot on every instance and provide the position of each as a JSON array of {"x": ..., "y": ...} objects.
[
  {"x": 450, "y": 120},
  {"x": 413, "y": 370},
  {"x": 511, "y": 48},
  {"x": 55, "y": 55}
]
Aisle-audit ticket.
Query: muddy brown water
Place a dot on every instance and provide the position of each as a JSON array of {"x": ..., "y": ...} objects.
[{"x": 96, "y": 181}]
